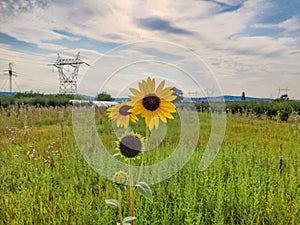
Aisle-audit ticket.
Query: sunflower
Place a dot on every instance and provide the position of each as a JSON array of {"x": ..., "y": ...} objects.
[
  {"x": 129, "y": 146},
  {"x": 121, "y": 114},
  {"x": 153, "y": 104}
]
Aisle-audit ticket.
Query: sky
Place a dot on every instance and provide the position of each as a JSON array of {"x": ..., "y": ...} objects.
[{"x": 204, "y": 47}]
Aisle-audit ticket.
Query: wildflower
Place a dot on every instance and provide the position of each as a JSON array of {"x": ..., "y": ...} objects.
[
  {"x": 153, "y": 104},
  {"x": 121, "y": 114}
]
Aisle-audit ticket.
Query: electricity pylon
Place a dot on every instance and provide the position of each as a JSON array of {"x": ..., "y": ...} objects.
[
  {"x": 282, "y": 89},
  {"x": 10, "y": 74},
  {"x": 68, "y": 83}
]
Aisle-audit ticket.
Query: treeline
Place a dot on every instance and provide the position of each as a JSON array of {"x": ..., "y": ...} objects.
[
  {"x": 35, "y": 99},
  {"x": 281, "y": 109}
]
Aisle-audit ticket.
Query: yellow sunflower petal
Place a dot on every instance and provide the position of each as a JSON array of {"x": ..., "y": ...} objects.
[
  {"x": 121, "y": 121},
  {"x": 151, "y": 83},
  {"x": 133, "y": 117},
  {"x": 154, "y": 123},
  {"x": 118, "y": 123},
  {"x": 160, "y": 87},
  {"x": 143, "y": 87},
  {"x": 169, "y": 116},
  {"x": 136, "y": 93},
  {"x": 147, "y": 116},
  {"x": 168, "y": 106},
  {"x": 170, "y": 98},
  {"x": 126, "y": 122},
  {"x": 137, "y": 108},
  {"x": 162, "y": 116},
  {"x": 166, "y": 92},
  {"x": 150, "y": 126}
]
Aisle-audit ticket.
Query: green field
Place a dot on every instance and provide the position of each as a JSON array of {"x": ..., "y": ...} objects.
[{"x": 45, "y": 180}]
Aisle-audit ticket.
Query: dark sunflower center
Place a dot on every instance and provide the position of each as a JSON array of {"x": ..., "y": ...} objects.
[
  {"x": 151, "y": 102},
  {"x": 124, "y": 110},
  {"x": 130, "y": 146}
]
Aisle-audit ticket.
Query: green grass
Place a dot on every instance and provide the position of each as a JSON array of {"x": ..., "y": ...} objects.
[{"x": 45, "y": 180}]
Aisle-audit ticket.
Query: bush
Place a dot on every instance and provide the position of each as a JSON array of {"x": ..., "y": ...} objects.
[
  {"x": 35, "y": 99},
  {"x": 103, "y": 96},
  {"x": 285, "y": 112},
  {"x": 283, "y": 109}
]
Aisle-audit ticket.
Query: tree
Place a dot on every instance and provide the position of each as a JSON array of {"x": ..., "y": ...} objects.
[
  {"x": 284, "y": 97},
  {"x": 243, "y": 96},
  {"x": 103, "y": 96},
  {"x": 178, "y": 93}
]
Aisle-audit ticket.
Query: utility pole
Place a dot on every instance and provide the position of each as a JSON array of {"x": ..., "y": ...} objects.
[
  {"x": 68, "y": 83},
  {"x": 10, "y": 74}
]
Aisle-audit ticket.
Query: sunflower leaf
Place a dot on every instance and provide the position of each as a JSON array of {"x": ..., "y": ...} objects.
[
  {"x": 128, "y": 219},
  {"x": 122, "y": 188},
  {"x": 112, "y": 203},
  {"x": 145, "y": 190}
]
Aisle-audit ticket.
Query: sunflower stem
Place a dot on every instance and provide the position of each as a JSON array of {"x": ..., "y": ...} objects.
[
  {"x": 140, "y": 169},
  {"x": 142, "y": 158},
  {"x": 131, "y": 190},
  {"x": 120, "y": 207}
]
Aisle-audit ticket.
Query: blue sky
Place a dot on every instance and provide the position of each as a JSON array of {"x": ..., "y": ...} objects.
[{"x": 251, "y": 46}]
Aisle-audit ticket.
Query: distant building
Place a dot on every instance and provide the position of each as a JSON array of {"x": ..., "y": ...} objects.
[
  {"x": 104, "y": 104},
  {"x": 101, "y": 104}
]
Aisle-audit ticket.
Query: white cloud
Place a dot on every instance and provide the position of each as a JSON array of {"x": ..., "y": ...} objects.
[
  {"x": 220, "y": 39},
  {"x": 291, "y": 24}
]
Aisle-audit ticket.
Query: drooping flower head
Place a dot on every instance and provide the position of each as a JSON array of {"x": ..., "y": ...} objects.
[
  {"x": 121, "y": 114},
  {"x": 130, "y": 146},
  {"x": 153, "y": 104}
]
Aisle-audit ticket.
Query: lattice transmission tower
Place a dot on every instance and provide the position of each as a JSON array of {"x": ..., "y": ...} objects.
[
  {"x": 68, "y": 82},
  {"x": 282, "y": 89},
  {"x": 10, "y": 73}
]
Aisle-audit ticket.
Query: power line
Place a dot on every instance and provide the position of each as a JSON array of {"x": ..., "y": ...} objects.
[
  {"x": 17, "y": 86},
  {"x": 3, "y": 85}
]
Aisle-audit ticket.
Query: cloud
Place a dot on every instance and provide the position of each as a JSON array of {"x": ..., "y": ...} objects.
[
  {"x": 295, "y": 53},
  {"x": 226, "y": 6},
  {"x": 153, "y": 23},
  {"x": 232, "y": 36},
  {"x": 291, "y": 24},
  {"x": 17, "y": 7}
]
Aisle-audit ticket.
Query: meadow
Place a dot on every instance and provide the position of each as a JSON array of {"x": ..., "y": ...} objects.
[{"x": 45, "y": 180}]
